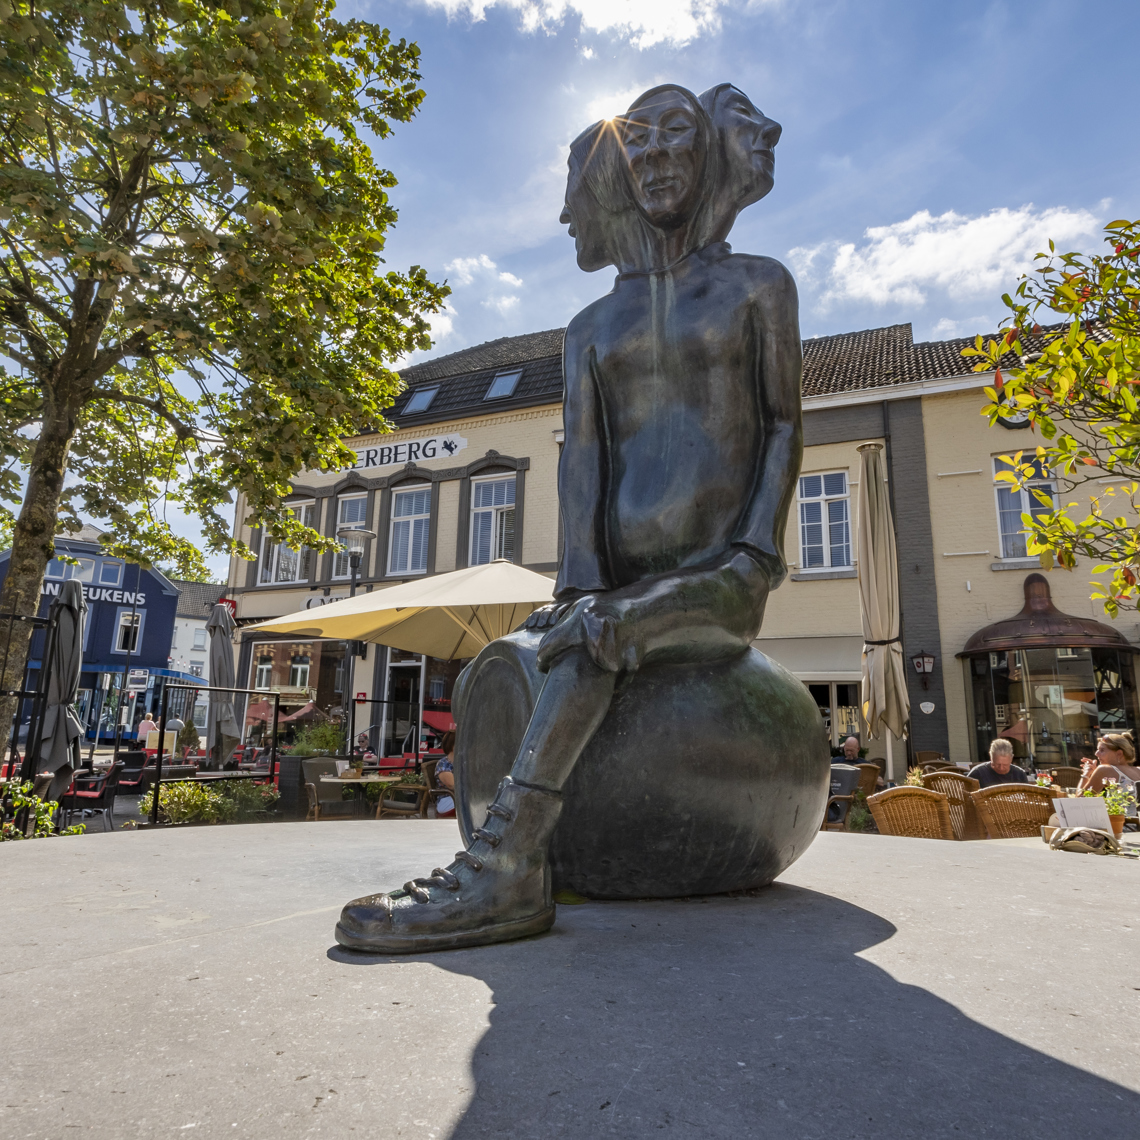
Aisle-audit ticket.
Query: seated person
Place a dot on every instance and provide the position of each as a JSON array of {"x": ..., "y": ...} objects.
[
  {"x": 445, "y": 777},
  {"x": 1115, "y": 760},
  {"x": 146, "y": 727},
  {"x": 851, "y": 751},
  {"x": 1000, "y": 768}
]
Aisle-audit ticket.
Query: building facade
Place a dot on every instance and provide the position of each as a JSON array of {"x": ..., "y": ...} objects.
[
  {"x": 470, "y": 474},
  {"x": 190, "y": 640},
  {"x": 126, "y": 639}
]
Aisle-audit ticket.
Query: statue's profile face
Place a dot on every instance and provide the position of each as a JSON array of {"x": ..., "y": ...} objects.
[
  {"x": 661, "y": 141},
  {"x": 749, "y": 141},
  {"x": 589, "y": 243}
]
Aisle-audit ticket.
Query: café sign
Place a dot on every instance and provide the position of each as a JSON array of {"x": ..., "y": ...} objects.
[{"x": 407, "y": 451}]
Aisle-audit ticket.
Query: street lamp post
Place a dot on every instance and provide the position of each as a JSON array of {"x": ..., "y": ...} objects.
[{"x": 354, "y": 540}]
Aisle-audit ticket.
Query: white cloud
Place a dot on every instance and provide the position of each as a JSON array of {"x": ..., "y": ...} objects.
[
  {"x": 481, "y": 272},
  {"x": 642, "y": 22},
  {"x": 963, "y": 256}
]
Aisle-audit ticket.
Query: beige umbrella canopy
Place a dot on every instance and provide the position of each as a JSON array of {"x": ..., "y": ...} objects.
[
  {"x": 446, "y": 615},
  {"x": 886, "y": 705}
]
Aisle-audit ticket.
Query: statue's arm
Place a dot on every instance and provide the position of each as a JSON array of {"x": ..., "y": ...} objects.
[
  {"x": 582, "y": 469},
  {"x": 778, "y": 380}
]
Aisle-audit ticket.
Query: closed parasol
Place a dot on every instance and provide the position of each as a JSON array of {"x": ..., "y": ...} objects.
[
  {"x": 222, "y": 732},
  {"x": 59, "y": 744},
  {"x": 886, "y": 704}
]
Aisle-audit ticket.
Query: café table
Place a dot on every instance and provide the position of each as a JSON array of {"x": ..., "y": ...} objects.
[{"x": 360, "y": 783}]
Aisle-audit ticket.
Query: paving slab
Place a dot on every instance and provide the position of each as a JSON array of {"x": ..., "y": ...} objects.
[{"x": 186, "y": 983}]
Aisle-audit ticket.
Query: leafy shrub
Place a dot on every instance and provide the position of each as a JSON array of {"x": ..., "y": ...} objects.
[
  {"x": 40, "y": 820},
  {"x": 914, "y": 777},
  {"x": 189, "y": 737},
  {"x": 230, "y": 800},
  {"x": 324, "y": 739}
]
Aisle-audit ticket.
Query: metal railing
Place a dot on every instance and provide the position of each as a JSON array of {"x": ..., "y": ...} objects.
[
  {"x": 38, "y": 695},
  {"x": 167, "y": 690}
]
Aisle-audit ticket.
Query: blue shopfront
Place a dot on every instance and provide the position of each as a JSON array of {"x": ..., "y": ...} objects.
[{"x": 130, "y": 624}]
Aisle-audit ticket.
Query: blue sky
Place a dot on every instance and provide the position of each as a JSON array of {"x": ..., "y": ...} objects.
[{"x": 928, "y": 149}]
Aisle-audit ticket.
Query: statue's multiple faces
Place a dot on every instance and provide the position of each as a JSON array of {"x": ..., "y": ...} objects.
[{"x": 675, "y": 154}]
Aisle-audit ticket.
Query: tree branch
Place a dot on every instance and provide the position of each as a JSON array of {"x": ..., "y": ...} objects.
[{"x": 181, "y": 429}]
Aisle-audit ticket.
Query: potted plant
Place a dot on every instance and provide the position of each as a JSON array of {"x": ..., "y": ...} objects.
[{"x": 1118, "y": 799}]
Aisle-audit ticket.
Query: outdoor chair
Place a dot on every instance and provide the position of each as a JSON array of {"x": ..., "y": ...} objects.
[
  {"x": 845, "y": 780},
  {"x": 403, "y": 801},
  {"x": 326, "y": 800},
  {"x": 939, "y": 766},
  {"x": 1065, "y": 777},
  {"x": 435, "y": 792},
  {"x": 928, "y": 756},
  {"x": 957, "y": 788},
  {"x": 869, "y": 780},
  {"x": 95, "y": 794},
  {"x": 1013, "y": 811},
  {"x": 917, "y": 813}
]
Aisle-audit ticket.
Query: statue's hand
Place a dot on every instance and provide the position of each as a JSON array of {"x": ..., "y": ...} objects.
[
  {"x": 595, "y": 623},
  {"x": 546, "y": 616}
]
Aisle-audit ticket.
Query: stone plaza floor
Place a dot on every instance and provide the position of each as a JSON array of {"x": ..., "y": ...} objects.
[{"x": 186, "y": 983}]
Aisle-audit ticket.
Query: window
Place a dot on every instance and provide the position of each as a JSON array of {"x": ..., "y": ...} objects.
[
  {"x": 408, "y": 540},
  {"x": 199, "y": 639},
  {"x": 278, "y": 562},
  {"x": 1013, "y": 502},
  {"x": 492, "y": 520},
  {"x": 299, "y": 673},
  {"x": 127, "y": 631},
  {"x": 196, "y": 668},
  {"x": 263, "y": 678},
  {"x": 420, "y": 400},
  {"x": 174, "y": 638},
  {"x": 84, "y": 572},
  {"x": 110, "y": 573},
  {"x": 503, "y": 385},
  {"x": 825, "y": 521},
  {"x": 350, "y": 511}
]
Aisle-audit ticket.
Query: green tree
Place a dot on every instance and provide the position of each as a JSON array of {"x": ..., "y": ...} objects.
[
  {"x": 192, "y": 296},
  {"x": 1077, "y": 383}
]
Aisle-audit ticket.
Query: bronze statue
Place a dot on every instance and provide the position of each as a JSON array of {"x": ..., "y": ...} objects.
[{"x": 629, "y": 742}]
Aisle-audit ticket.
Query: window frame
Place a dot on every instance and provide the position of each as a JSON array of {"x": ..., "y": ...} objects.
[
  {"x": 430, "y": 390},
  {"x": 271, "y": 551},
  {"x": 337, "y": 574},
  {"x": 824, "y": 499},
  {"x": 108, "y": 565},
  {"x": 506, "y": 373},
  {"x": 1028, "y": 501},
  {"x": 394, "y": 519},
  {"x": 120, "y": 613},
  {"x": 202, "y": 635},
  {"x": 496, "y": 525}
]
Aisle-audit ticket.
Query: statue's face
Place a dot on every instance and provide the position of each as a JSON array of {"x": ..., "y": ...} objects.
[
  {"x": 661, "y": 141},
  {"x": 589, "y": 244},
  {"x": 749, "y": 139}
]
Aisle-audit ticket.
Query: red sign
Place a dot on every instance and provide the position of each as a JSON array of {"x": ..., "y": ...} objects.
[{"x": 230, "y": 605}]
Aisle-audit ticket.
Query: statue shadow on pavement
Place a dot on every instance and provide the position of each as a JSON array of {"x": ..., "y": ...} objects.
[{"x": 748, "y": 1016}]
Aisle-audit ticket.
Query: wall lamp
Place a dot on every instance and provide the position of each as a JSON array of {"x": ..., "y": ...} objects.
[{"x": 923, "y": 666}]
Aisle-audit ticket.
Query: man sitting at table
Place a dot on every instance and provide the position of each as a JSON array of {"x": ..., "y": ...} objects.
[
  {"x": 1000, "y": 768},
  {"x": 851, "y": 750}
]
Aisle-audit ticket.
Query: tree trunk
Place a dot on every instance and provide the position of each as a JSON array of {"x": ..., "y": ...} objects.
[{"x": 33, "y": 545}]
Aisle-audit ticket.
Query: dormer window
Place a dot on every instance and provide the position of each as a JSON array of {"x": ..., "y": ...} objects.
[
  {"x": 503, "y": 385},
  {"x": 420, "y": 400}
]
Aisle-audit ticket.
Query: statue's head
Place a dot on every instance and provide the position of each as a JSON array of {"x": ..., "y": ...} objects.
[
  {"x": 747, "y": 140},
  {"x": 596, "y": 197},
  {"x": 666, "y": 178},
  {"x": 665, "y": 137}
]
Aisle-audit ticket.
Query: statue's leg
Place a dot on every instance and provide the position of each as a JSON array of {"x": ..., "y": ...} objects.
[{"x": 499, "y": 888}]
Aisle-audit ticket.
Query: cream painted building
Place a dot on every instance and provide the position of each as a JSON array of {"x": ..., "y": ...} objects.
[{"x": 470, "y": 474}]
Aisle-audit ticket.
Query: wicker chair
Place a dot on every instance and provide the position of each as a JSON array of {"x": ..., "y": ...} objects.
[
  {"x": 957, "y": 788},
  {"x": 914, "y": 812},
  {"x": 939, "y": 766},
  {"x": 869, "y": 780},
  {"x": 1066, "y": 777},
  {"x": 1013, "y": 811},
  {"x": 845, "y": 782},
  {"x": 927, "y": 756}
]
